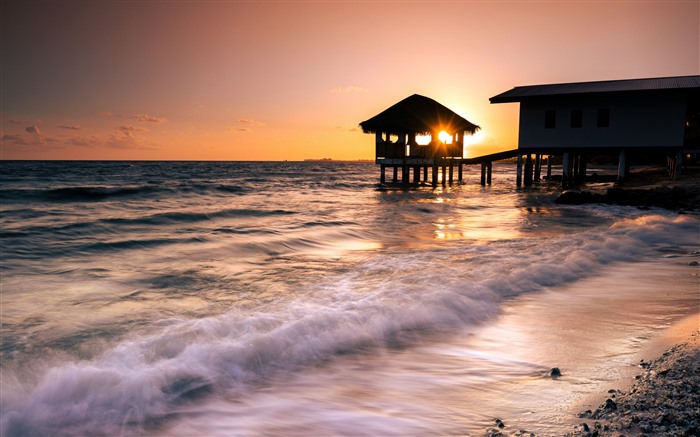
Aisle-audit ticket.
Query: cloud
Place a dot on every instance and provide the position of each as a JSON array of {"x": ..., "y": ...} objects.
[
  {"x": 147, "y": 118},
  {"x": 250, "y": 122},
  {"x": 348, "y": 90},
  {"x": 126, "y": 137},
  {"x": 348, "y": 129},
  {"x": 70, "y": 127},
  {"x": 15, "y": 139},
  {"x": 33, "y": 130},
  {"x": 84, "y": 142},
  {"x": 240, "y": 129}
]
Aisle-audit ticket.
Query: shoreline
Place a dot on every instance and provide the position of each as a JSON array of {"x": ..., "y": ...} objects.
[
  {"x": 596, "y": 340},
  {"x": 663, "y": 398},
  {"x": 644, "y": 189}
]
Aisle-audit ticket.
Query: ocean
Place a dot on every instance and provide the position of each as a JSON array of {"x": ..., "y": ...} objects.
[{"x": 303, "y": 298}]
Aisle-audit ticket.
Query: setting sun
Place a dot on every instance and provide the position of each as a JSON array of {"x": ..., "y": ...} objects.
[{"x": 444, "y": 137}]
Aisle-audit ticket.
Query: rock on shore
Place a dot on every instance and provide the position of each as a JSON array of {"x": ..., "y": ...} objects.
[
  {"x": 664, "y": 401},
  {"x": 673, "y": 198}
]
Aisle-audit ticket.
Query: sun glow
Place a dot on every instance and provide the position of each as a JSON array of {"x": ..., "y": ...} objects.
[
  {"x": 476, "y": 138},
  {"x": 444, "y": 137}
]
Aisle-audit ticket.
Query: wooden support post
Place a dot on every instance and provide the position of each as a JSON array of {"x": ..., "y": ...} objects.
[
  {"x": 425, "y": 173},
  {"x": 549, "y": 166},
  {"x": 451, "y": 171},
  {"x": 483, "y": 174},
  {"x": 459, "y": 172},
  {"x": 489, "y": 170},
  {"x": 444, "y": 172},
  {"x": 382, "y": 176},
  {"x": 528, "y": 170},
  {"x": 519, "y": 171},
  {"x": 678, "y": 165},
  {"x": 435, "y": 174},
  {"x": 538, "y": 167},
  {"x": 565, "y": 170},
  {"x": 582, "y": 168},
  {"x": 395, "y": 177},
  {"x": 405, "y": 175},
  {"x": 622, "y": 168},
  {"x": 416, "y": 174}
]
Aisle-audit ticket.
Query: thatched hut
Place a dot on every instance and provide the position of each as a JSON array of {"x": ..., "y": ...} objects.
[{"x": 397, "y": 127}]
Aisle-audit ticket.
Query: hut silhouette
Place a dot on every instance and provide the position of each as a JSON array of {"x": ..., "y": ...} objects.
[{"x": 411, "y": 117}]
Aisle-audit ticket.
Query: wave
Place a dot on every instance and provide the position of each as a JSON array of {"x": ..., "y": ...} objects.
[
  {"x": 387, "y": 302},
  {"x": 101, "y": 193}
]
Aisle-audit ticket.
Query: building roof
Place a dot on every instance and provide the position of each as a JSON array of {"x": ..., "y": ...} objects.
[
  {"x": 521, "y": 93},
  {"x": 417, "y": 114}
]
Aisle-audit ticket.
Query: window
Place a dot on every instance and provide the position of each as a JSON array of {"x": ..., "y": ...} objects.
[
  {"x": 604, "y": 117},
  {"x": 576, "y": 118},
  {"x": 550, "y": 119}
]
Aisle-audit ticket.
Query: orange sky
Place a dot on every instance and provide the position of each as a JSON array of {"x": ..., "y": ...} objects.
[{"x": 243, "y": 80}]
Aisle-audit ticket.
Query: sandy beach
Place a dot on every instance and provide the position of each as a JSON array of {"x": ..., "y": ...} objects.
[{"x": 658, "y": 396}]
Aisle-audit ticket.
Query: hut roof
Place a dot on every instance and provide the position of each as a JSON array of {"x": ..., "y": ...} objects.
[{"x": 417, "y": 114}]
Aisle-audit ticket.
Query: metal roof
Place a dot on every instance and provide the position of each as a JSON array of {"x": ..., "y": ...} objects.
[{"x": 521, "y": 93}]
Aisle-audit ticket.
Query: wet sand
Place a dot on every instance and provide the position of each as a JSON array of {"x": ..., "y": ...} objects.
[{"x": 595, "y": 331}]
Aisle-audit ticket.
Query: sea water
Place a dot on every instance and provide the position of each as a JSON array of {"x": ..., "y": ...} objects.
[{"x": 303, "y": 298}]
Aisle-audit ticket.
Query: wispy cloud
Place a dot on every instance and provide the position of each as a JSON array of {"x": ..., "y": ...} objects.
[
  {"x": 33, "y": 130},
  {"x": 70, "y": 126},
  {"x": 84, "y": 141},
  {"x": 147, "y": 118},
  {"x": 245, "y": 125},
  {"x": 126, "y": 136},
  {"x": 348, "y": 90},
  {"x": 250, "y": 122},
  {"x": 240, "y": 129},
  {"x": 16, "y": 139}
]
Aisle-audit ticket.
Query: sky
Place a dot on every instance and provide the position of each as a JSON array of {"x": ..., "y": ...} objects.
[{"x": 291, "y": 80}]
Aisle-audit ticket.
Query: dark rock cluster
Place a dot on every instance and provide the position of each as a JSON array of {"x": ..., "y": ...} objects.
[
  {"x": 673, "y": 198},
  {"x": 664, "y": 401}
]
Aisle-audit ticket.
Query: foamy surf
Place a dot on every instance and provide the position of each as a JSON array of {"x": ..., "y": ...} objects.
[{"x": 389, "y": 301}]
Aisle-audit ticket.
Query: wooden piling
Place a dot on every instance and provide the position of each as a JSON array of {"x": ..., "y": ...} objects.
[
  {"x": 519, "y": 171},
  {"x": 565, "y": 170},
  {"x": 677, "y": 165},
  {"x": 622, "y": 168},
  {"x": 489, "y": 170},
  {"x": 528, "y": 170}
]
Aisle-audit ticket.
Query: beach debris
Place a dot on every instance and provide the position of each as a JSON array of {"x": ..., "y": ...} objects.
[
  {"x": 555, "y": 372},
  {"x": 694, "y": 263},
  {"x": 499, "y": 423}
]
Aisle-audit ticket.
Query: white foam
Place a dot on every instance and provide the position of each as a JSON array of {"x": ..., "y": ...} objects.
[{"x": 387, "y": 301}]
